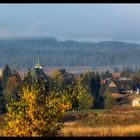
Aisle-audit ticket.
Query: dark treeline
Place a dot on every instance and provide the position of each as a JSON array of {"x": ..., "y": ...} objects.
[{"x": 68, "y": 53}]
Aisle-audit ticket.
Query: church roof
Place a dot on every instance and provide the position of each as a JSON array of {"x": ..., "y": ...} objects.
[{"x": 38, "y": 73}]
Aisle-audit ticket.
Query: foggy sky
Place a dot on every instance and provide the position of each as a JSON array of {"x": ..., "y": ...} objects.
[{"x": 86, "y": 22}]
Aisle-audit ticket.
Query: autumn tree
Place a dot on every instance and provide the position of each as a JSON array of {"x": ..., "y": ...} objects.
[
  {"x": 108, "y": 99},
  {"x": 9, "y": 87},
  {"x": 36, "y": 114},
  {"x": 12, "y": 87},
  {"x": 81, "y": 95},
  {"x": 60, "y": 79}
]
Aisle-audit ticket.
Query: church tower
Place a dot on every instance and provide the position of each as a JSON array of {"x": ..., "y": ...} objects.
[
  {"x": 38, "y": 64},
  {"x": 39, "y": 73}
]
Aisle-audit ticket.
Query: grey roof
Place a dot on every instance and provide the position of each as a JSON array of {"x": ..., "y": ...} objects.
[{"x": 37, "y": 73}]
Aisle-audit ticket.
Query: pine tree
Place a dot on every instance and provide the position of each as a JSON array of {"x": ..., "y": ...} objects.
[
  {"x": 2, "y": 100},
  {"x": 102, "y": 89},
  {"x": 6, "y": 73},
  {"x": 28, "y": 78}
]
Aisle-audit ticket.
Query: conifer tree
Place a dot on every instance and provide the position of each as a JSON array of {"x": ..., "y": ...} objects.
[
  {"x": 28, "y": 78},
  {"x": 6, "y": 73}
]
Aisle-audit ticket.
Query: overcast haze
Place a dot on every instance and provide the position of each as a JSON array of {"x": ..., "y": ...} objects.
[{"x": 87, "y": 22}]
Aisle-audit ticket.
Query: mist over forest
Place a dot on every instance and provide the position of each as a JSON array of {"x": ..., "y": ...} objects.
[{"x": 23, "y": 52}]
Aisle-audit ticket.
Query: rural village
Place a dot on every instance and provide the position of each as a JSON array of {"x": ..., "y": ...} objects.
[{"x": 85, "y": 78}]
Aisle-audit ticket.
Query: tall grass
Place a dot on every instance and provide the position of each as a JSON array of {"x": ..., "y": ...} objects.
[
  {"x": 110, "y": 120},
  {"x": 72, "y": 129},
  {"x": 124, "y": 123}
]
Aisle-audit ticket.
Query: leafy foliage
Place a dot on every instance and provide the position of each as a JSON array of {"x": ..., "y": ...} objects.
[
  {"x": 12, "y": 87},
  {"x": 36, "y": 114},
  {"x": 60, "y": 79},
  {"x": 108, "y": 99},
  {"x": 82, "y": 96},
  {"x": 92, "y": 81}
]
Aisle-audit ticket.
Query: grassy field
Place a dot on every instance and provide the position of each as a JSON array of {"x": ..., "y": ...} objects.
[{"x": 122, "y": 121}]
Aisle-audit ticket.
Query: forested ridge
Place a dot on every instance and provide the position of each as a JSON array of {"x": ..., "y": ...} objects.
[{"x": 68, "y": 53}]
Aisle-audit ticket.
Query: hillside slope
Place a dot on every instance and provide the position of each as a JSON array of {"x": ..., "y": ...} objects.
[{"x": 68, "y": 53}]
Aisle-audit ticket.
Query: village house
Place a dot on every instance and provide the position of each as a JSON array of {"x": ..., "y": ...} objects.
[
  {"x": 122, "y": 85},
  {"x": 136, "y": 102},
  {"x": 113, "y": 87}
]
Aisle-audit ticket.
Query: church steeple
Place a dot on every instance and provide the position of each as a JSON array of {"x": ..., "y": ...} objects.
[
  {"x": 38, "y": 65},
  {"x": 38, "y": 73}
]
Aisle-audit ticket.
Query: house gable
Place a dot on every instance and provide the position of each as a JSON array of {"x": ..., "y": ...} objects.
[{"x": 112, "y": 84}]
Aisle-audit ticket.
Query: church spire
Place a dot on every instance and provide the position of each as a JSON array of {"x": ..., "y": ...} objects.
[
  {"x": 38, "y": 58},
  {"x": 38, "y": 65}
]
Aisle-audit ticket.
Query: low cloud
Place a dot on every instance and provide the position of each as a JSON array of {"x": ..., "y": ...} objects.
[
  {"x": 37, "y": 24},
  {"x": 5, "y": 32}
]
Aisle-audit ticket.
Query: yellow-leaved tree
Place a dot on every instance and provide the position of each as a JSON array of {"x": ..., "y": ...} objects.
[
  {"x": 82, "y": 97},
  {"x": 37, "y": 113}
]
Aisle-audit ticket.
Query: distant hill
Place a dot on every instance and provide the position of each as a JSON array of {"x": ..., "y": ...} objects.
[{"x": 68, "y": 53}]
